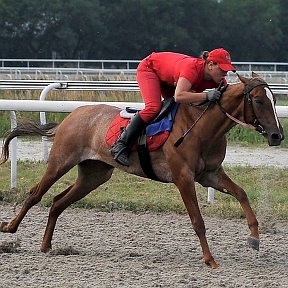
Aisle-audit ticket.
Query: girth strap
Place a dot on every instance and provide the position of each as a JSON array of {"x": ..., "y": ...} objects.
[{"x": 144, "y": 158}]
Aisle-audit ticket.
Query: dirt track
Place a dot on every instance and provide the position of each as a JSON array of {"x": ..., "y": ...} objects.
[{"x": 122, "y": 249}]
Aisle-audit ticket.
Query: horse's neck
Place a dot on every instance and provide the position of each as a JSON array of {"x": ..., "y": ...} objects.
[
  {"x": 232, "y": 102},
  {"x": 213, "y": 121},
  {"x": 232, "y": 99}
]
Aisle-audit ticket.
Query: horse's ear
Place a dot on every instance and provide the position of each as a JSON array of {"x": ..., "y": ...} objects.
[
  {"x": 255, "y": 75},
  {"x": 243, "y": 79}
]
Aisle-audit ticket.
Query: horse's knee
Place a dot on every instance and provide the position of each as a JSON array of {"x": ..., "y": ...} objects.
[
  {"x": 61, "y": 195},
  {"x": 33, "y": 198},
  {"x": 199, "y": 227},
  {"x": 56, "y": 210},
  {"x": 241, "y": 195}
]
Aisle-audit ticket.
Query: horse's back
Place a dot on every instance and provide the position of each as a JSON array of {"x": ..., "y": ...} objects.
[
  {"x": 83, "y": 131},
  {"x": 93, "y": 114}
]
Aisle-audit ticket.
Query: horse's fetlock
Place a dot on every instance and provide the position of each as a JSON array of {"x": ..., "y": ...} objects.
[
  {"x": 3, "y": 227},
  {"x": 45, "y": 249},
  {"x": 6, "y": 228},
  {"x": 253, "y": 224}
]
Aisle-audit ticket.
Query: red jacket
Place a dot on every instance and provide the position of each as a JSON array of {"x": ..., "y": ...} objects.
[{"x": 170, "y": 66}]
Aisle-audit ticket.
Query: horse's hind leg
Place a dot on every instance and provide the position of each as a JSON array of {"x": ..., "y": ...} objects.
[
  {"x": 52, "y": 174},
  {"x": 91, "y": 174}
]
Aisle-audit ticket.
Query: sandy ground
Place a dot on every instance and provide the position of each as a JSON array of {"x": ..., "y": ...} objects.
[{"x": 122, "y": 249}]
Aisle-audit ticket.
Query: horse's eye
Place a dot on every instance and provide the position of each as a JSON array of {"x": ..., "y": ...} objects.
[{"x": 258, "y": 101}]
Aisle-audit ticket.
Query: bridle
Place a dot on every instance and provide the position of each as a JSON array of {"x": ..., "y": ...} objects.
[{"x": 248, "y": 105}]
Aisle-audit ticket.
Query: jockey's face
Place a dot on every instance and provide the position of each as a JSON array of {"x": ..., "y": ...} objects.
[{"x": 215, "y": 73}]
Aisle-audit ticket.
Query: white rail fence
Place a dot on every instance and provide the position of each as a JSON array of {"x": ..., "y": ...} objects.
[
  {"x": 132, "y": 86},
  {"x": 60, "y": 69},
  {"x": 68, "y": 106}
]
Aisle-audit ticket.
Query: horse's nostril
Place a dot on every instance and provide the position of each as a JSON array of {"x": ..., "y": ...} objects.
[{"x": 276, "y": 136}]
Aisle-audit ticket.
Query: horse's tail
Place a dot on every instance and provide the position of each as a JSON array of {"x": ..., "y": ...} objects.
[{"x": 27, "y": 128}]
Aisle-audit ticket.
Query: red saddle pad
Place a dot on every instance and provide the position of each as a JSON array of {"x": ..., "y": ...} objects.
[{"x": 118, "y": 123}]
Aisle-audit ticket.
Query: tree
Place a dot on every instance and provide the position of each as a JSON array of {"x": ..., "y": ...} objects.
[
  {"x": 25, "y": 26},
  {"x": 138, "y": 27},
  {"x": 250, "y": 29},
  {"x": 80, "y": 30}
]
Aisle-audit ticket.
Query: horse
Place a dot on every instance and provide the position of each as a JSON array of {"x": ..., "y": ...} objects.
[{"x": 80, "y": 140}]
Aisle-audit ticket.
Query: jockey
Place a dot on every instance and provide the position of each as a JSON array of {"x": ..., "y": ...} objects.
[{"x": 169, "y": 74}]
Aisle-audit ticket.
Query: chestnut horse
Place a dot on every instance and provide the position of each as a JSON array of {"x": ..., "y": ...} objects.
[{"x": 80, "y": 140}]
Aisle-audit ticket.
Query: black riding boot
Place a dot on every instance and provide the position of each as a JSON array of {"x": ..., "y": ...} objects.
[{"x": 121, "y": 148}]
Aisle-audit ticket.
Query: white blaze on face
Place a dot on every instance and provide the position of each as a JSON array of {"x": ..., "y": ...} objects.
[{"x": 270, "y": 97}]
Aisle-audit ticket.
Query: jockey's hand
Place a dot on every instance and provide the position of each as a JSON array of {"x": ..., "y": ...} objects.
[{"x": 213, "y": 95}]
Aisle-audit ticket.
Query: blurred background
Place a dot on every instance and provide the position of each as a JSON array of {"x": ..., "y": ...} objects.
[{"x": 251, "y": 30}]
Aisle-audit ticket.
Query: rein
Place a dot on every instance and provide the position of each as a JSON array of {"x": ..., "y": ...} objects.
[
  {"x": 246, "y": 125},
  {"x": 180, "y": 140},
  {"x": 247, "y": 99}
]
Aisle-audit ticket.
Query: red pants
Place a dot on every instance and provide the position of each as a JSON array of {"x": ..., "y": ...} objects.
[{"x": 151, "y": 89}]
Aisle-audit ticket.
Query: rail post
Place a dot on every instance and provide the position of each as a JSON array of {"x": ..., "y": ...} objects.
[
  {"x": 211, "y": 195},
  {"x": 43, "y": 115},
  {"x": 13, "y": 179}
]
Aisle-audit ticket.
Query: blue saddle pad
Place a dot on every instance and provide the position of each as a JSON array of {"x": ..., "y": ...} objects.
[{"x": 165, "y": 124}]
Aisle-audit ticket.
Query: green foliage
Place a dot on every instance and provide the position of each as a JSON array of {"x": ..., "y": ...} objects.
[
  {"x": 241, "y": 26},
  {"x": 131, "y": 29},
  {"x": 266, "y": 189}
]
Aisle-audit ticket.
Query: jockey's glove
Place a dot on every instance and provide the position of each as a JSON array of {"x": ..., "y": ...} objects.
[{"x": 213, "y": 95}]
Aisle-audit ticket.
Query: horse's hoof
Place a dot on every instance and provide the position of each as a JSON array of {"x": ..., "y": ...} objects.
[
  {"x": 45, "y": 249},
  {"x": 212, "y": 264},
  {"x": 253, "y": 242},
  {"x": 3, "y": 227}
]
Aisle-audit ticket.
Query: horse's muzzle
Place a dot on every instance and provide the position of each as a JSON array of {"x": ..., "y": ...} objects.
[{"x": 274, "y": 139}]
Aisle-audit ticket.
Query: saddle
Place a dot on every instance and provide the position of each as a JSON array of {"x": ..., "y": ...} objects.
[{"x": 152, "y": 138}]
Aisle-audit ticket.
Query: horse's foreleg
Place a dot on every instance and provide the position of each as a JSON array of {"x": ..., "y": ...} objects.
[
  {"x": 184, "y": 180},
  {"x": 221, "y": 182},
  {"x": 91, "y": 174}
]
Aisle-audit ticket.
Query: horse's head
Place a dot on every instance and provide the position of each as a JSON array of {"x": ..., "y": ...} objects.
[{"x": 260, "y": 110}]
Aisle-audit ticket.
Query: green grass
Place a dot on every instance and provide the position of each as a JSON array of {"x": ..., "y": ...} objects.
[{"x": 266, "y": 189}]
